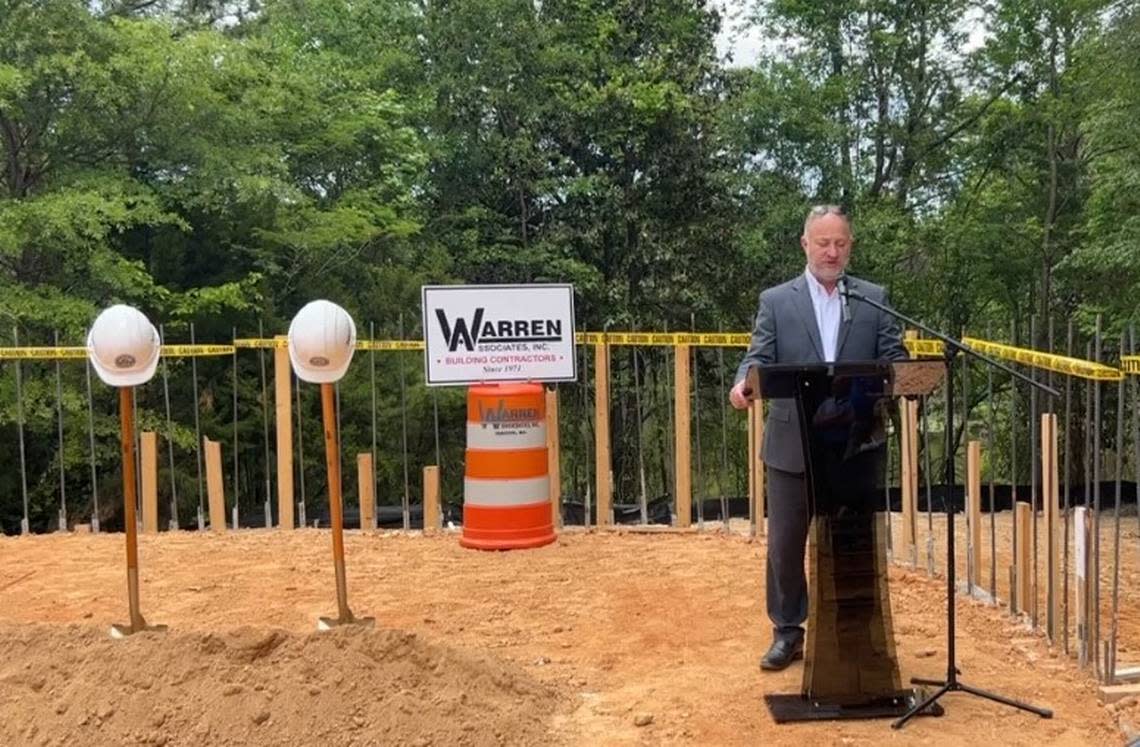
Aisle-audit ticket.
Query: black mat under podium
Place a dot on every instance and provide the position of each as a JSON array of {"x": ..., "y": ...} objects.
[{"x": 850, "y": 666}]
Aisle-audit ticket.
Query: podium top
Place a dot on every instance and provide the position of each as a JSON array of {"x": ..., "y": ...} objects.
[{"x": 889, "y": 378}]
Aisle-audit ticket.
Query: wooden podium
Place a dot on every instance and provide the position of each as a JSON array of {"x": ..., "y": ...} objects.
[{"x": 850, "y": 666}]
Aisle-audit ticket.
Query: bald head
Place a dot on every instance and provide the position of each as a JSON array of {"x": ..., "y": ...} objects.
[
  {"x": 826, "y": 242},
  {"x": 822, "y": 211}
]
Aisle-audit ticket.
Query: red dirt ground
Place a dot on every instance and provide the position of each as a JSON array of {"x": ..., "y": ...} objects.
[{"x": 576, "y": 643}]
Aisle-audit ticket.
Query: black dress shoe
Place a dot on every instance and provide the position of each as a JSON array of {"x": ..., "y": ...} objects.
[{"x": 782, "y": 653}]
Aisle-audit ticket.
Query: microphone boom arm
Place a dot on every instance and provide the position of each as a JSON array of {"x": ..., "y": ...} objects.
[{"x": 952, "y": 345}]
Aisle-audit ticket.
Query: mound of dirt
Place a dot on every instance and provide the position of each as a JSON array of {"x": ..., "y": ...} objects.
[{"x": 74, "y": 685}]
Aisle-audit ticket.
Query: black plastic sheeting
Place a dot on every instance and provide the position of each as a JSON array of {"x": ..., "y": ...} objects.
[
  {"x": 1003, "y": 496},
  {"x": 387, "y": 516},
  {"x": 660, "y": 508}
]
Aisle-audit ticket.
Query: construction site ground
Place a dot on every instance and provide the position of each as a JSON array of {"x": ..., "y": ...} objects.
[{"x": 614, "y": 637}]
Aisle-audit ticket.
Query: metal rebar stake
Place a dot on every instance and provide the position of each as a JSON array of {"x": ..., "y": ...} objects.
[
  {"x": 1095, "y": 608},
  {"x": 25, "y": 524},
  {"x": 1014, "y": 602},
  {"x": 91, "y": 446},
  {"x": 372, "y": 389},
  {"x": 197, "y": 433},
  {"x": 234, "y": 519},
  {"x": 698, "y": 483},
  {"x": 642, "y": 497},
  {"x": 992, "y": 471},
  {"x": 926, "y": 474},
  {"x": 1034, "y": 447},
  {"x": 1068, "y": 498},
  {"x": 265, "y": 428},
  {"x": 723, "y": 435},
  {"x": 59, "y": 413},
  {"x": 1114, "y": 622},
  {"x": 173, "y": 523},
  {"x": 300, "y": 456},
  {"x": 404, "y": 434}
]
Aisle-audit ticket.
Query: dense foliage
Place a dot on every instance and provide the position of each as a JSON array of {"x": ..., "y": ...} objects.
[{"x": 220, "y": 163}]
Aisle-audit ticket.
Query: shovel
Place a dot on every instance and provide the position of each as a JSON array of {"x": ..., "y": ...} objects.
[
  {"x": 127, "y": 439},
  {"x": 336, "y": 512}
]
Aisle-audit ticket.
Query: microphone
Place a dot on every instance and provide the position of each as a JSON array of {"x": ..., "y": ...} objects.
[{"x": 842, "y": 286}]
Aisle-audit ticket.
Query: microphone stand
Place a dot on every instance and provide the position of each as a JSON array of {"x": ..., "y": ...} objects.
[{"x": 951, "y": 348}]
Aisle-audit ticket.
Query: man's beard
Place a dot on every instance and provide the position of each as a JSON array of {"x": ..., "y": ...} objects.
[{"x": 826, "y": 274}]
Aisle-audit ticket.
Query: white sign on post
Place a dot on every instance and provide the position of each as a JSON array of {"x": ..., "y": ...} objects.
[{"x": 484, "y": 333}]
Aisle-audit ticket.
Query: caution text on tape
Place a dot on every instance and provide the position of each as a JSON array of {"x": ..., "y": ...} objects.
[
  {"x": 264, "y": 343},
  {"x": 924, "y": 348},
  {"x": 60, "y": 353},
  {"x": 1047, "y": 361},
  {"x": 190, "y": 351},
  {"x": 707, "y": 339},
  {"x": 918, "y": 348},
  {"x": 389, "y": 344},
  {"x": 76, "y": 352}
]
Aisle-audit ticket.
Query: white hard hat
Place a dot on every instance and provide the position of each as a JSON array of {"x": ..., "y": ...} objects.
[
  {"x": 322, "y": 338},
  {"x": 123, "y": 346}
]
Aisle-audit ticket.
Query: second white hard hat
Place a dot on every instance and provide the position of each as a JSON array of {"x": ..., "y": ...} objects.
[
  {"x": 322, "y": 339},
  {"x": 123, "y": 346}
]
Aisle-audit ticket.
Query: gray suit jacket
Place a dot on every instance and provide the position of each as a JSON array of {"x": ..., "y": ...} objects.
[{"x": 786, "y": 332}]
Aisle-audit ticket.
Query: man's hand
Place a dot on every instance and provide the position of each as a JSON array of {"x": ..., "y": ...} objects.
[{"x": 739, "y": 395}]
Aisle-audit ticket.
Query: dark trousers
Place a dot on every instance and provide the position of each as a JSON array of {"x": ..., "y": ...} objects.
[{"x": 786, "y": 583}]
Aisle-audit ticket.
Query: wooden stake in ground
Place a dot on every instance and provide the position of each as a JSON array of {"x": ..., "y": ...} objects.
[
  {"x": 604, "y": 473},
  {"x": 1022, "y": 560},
  {"x": 683, "y": 501},
  {"x": 974, "y": 512},
  {"x": 215, "y": 487},
  {"x": 1081, "y": 551},
  {"x": 756, "y": 464},
  {"x": 149, "y": 446},
  {"x": 909, "y": 479},
  {"x": 283, "y": 407},
  {"x": 366, "y": 482},
  {"x": 432, "y": 514},
  {"x": 553, "y": 457}
]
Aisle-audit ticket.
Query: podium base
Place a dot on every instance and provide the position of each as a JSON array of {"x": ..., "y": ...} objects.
[{"x": 795, "y": 707}]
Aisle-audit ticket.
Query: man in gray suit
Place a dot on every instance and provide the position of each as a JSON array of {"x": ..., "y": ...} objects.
[{"x": 801, "y": 321}]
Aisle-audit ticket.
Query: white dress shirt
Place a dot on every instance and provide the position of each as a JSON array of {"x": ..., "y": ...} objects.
[{"x": 828, "y": 312}]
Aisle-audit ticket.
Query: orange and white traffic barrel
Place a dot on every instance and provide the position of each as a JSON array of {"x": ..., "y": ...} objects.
[{"x": 506, "y": 486}]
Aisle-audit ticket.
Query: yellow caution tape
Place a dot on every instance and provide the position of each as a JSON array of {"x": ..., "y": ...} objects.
[
  {"x": 282, "y": 343},
  {"x": 1048, "y": 361},
  {"x": 262, "y": 343},
  {"x": 60, "y": 353},
  {"x": 389, "y": 344},
  {"x": 189, "y": 351},
  {"x": 920, "y": 348},
  {"x": 78, "y": 353},
  {"x": 706, "y": 339},
  {"x": 924, "y": 348}
]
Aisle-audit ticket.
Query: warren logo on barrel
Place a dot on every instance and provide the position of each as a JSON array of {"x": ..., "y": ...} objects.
[{"x": 506, "y": 487}]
